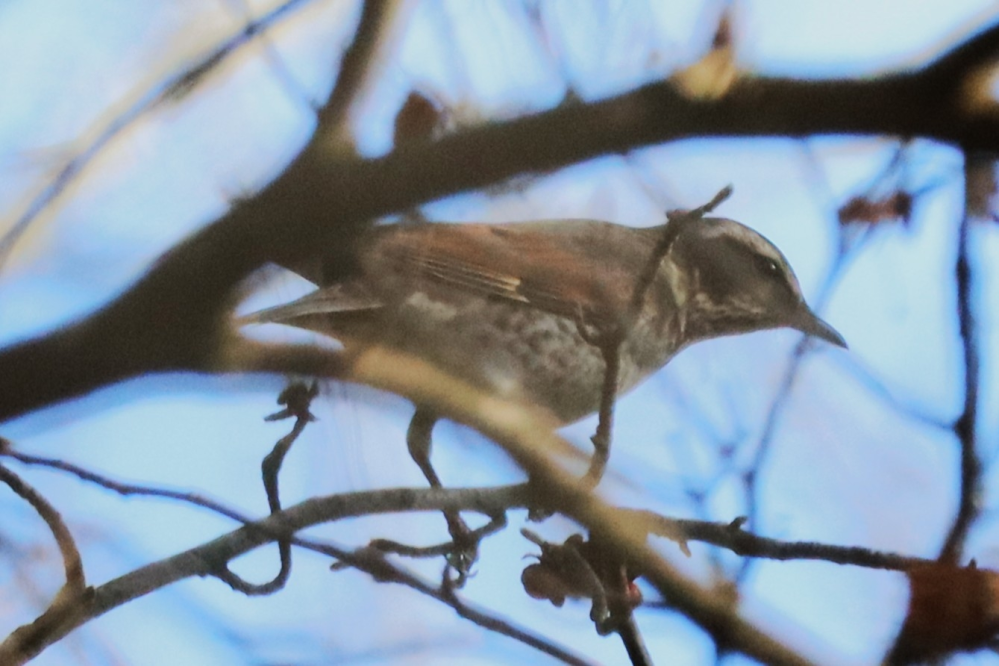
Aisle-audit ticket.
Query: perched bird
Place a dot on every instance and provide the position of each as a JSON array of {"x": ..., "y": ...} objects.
[
  {"x": 514, "y": 308},
  {"x": 500, "y": 305}
]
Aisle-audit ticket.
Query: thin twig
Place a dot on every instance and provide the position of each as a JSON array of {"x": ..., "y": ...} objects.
[
  {"x": 298, "y": 399},
  {"x": 865, "y": 376},
  {"x": 493, "y": 501},
  {"x": 476, "y": 536},
  {"x": 276, "y": 62},
  {"x": 72, "y": 563},
  {"x": 610, "y": 349},
  {"x": 527, "y": 435},
  {"x": 127, "y": 489},
  {"x": 677, "y": 221},
  {"x": 611, "y": 341},
  {"x": 505, "y": 496},
  {"x": 631, "y": 636},
  {"x": 969, "y": 504},
  {"x": 732, "y": 537},
  {"x": 780, "y": 400},
  {"x": 202, "y": 560},
  {"x": 378, "y": 566},
  {"x": 171, "y": 88},
  {"x": 24, "y": 641}
]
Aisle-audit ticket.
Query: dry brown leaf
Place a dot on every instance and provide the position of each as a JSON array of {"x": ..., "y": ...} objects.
[
  {"x": 951, "y": 609},
  {"x": 713, "y": 75},
  {"x": 895, "y": 206}
]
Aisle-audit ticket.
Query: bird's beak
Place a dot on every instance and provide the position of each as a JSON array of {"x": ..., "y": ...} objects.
[{"x": 810, "y": 323}]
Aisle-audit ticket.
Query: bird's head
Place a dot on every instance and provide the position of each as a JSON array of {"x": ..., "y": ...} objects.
[{"x": 730, "y": 279}]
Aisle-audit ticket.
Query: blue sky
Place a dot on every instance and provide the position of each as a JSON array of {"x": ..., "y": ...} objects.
[{"x": 858, "y": 456}]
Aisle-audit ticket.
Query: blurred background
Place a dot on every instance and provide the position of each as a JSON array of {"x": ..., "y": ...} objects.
[{"x": 106, "y": 162}]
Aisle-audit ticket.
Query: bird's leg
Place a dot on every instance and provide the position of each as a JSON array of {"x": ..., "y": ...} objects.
[{"x": 419, "y": 441}]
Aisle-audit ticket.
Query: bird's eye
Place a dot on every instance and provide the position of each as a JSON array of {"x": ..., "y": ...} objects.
[{"x": 767, "y": 265}]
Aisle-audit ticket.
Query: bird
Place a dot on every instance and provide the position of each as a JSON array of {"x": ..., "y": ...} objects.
[{"x": 514, "y": 308}]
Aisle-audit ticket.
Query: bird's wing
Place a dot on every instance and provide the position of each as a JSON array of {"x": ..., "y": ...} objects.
[
  {"x": 525, "y": 263},
  {"x": 561, "y": 267}
]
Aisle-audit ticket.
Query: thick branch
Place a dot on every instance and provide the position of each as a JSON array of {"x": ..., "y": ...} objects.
[{"x": 172, "y": 319}]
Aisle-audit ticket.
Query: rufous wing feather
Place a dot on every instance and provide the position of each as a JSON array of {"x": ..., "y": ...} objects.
[{"x": 513, "y": 262}]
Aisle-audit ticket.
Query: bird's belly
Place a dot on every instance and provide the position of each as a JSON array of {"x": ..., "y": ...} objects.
[{"x": 510, "y": 349}]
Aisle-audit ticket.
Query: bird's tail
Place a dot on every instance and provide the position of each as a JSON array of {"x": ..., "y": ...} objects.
[{"x": 332, "y": 300}]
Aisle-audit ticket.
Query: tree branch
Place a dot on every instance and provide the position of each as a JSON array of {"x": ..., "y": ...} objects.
[
  {"x": 527, "y": 434},
  {"x": 357, "y": 60},
  {"x": 174, "y": 317},
  {"x": 27, "y": 640},
  {"x": 204, "y": 560},
  {"x": 732, "y": 537},
  {"x": 170, "y": 89},
  {"x": 964, "y": 428}
]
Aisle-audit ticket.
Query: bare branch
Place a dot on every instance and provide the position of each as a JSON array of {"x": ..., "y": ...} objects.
[
  {"x": 954, "y": 66},
  {"x": 489, "y": 501},
  {"x": 126, "y": 489},
  {"x": 731, "y": 536},
  {"x": 173, "y": 318},
  {"x": 609, "y": 341},
  {"x": 25, "y": 641},
  {"x": 204, "y": 560},
  {"x": 357, "y": 60},
  {"x": 176, "y": 317},
  {"x": 631, "y": 636},
  {"x": 527, "y": 435},
  {"x": 965, "y": 426},
  {"x": 297, "y": 399},
  {"x": 72, "y": 563},
  {"x": 170, "y": 89},
  {"x": 678, "y": 221}
]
